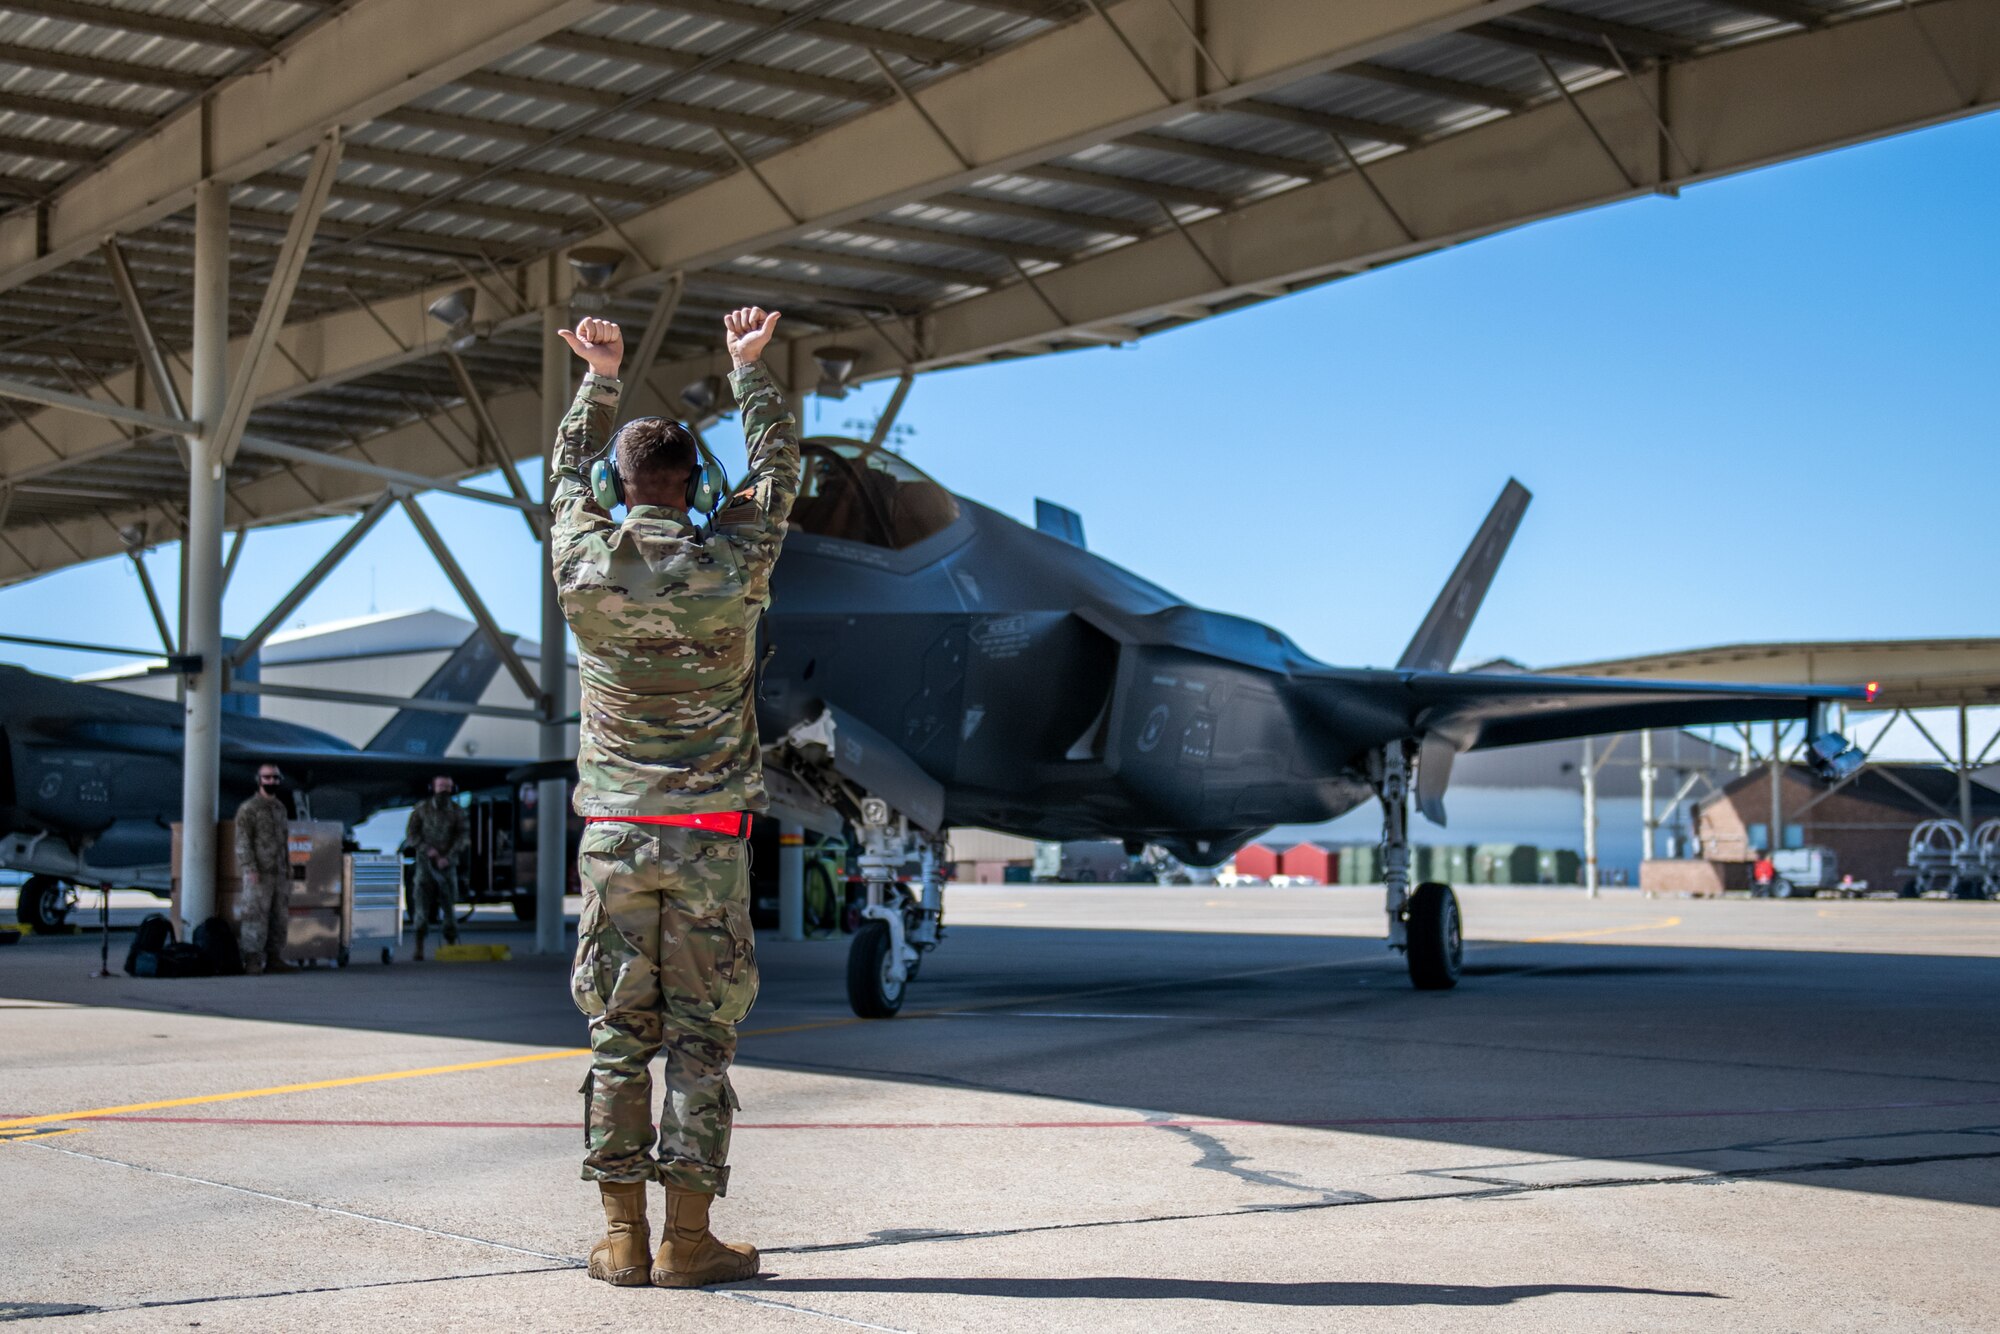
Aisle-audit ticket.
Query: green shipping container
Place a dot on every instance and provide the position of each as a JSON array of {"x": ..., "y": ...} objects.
[
  {"x": 1558, "y": 866},
  {"x": 1360, "y": 864},
  {"x": 1506, "y": 864},
  {"x": 1450, "y": 863}
]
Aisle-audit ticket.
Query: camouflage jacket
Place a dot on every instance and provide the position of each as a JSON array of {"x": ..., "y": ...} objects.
[
  {"x": 261, "y": 842},
  {"x": 438, "y": 824},
  {"x": 666, "y": 619}
]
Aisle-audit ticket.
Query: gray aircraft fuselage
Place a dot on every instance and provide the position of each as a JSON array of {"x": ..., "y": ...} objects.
[{"x": 1052, "y": 693}]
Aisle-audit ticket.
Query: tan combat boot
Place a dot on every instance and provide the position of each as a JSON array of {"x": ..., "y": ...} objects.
[
  {"x": 690, "y": 1256},
  {"x": 621, "y": 1257}
]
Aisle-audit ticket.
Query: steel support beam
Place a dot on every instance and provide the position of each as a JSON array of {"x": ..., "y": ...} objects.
[
  {"x": 489, "y": 440},
  {"x": 303, "y": 589},
  {"x": 466, "y": 707},
  {"x": 152, "y": 600},
  {"x": 152, "y": 356},
  {"x": 29, "y": 392},
  {"x": 201, "y": 753},
  {"x": 503, "y": 644},
  {"x": 316, "y": 458},
  {"x": 552, "y": 738},
  {"x": 278, "y": 291},
  {"x": 334, "y": 75}
]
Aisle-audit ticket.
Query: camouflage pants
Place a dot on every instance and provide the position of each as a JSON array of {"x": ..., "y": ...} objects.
[
  {"x": 263, "y": 919},
  {"x": 665, "y": 960},
  {"x": 432, "y": 890}
]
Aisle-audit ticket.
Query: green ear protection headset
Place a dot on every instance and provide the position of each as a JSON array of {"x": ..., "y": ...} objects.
[{"x": 707, "y": 488}]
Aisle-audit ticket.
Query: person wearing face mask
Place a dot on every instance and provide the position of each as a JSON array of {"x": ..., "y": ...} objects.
[
  {"x": 264, "y": 910},
  {"x": 437, "y": 833}
]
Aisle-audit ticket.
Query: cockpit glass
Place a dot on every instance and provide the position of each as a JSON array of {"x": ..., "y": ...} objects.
[{"x": 850, "y": 491}]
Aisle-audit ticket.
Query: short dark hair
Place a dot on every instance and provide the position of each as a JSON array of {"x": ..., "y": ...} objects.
[{"x": 654, "y": 449}]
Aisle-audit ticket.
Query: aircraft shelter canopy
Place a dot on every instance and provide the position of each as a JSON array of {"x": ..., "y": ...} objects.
[
  {"x": 919, "y": 183},
  {"x": 1907, "y": 673}
]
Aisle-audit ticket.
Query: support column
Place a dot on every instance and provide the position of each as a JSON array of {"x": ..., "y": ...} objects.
[
  {"x": 1965, "y": 765},
  {"x": 201, "y": 764},
  {"x": 1649, "y": 816},
  {"x": 1776, "y": 838},
  {"x": 1590, "y": 816},
  {"x": 552, "y": 798},
  {"x": 791, "y": 880}
]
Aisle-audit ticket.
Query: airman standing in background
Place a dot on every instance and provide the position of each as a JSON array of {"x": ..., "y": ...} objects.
[
  {"x": 263, "y": 856},
  {"x": 437, "y": 833}
]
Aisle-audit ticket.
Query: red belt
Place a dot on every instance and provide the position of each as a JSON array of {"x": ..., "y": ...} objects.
[{"x": 733, "y": 823}]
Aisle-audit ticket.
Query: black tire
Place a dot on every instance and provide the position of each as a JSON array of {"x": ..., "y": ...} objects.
[
  {"x": 1434, "y": 948},
  {"x": 1908, "y": 890},
  {"x": 388, "y": 956},
  {"x": 43, "y": 904},
  {"x": 1968, "y": 888},
  {"x": 870, "y": 993},
  {"x": 341, "y": 959},
  {"x": 1781, "y": 888},
  {"x": 524, "y": 907},
  {"x": 822, "y": 905}
]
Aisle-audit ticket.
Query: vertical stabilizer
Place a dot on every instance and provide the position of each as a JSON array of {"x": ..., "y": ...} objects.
[
  {"x": 462, "y": 680},
  {"x": 1443, "y": 632}
]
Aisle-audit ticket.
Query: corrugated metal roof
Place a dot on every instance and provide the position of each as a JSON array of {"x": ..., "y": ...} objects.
[{"x": 641, "y": 102}]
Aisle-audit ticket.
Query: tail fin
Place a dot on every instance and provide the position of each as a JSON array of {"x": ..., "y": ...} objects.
[
  {"x": 463, "y": 679},
  {"x": 1443, "y": 632}
]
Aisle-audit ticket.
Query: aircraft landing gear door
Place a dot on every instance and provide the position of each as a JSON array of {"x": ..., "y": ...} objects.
[
  {"x": 1424, "y": 923},
  {"x": 897, "y": 927}
]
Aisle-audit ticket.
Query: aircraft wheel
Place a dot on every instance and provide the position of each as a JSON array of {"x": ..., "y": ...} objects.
[
  {"x": 44, "y": 904},
  {"x": 524, "y": 907},
  {"x": 1435, "y": 948},
  {"x": 388, "y": 956},
  {"x": 340, "y": 960},
  {"x": 871, "y": 992},
  {"x": 1781, "y": 888}
]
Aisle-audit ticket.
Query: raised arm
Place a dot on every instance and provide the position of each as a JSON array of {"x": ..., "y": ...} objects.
[
  {"x": 586, "y": 430},
  {"x": 770, "y": 429}
]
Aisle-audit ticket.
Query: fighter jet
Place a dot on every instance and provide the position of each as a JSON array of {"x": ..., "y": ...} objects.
[
  {"x": 90, "y": 778},
  {"x": 935, "y": 663}
]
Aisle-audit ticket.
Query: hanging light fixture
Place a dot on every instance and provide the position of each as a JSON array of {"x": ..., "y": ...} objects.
[
  {"x": 593, "y": 267},
  {"x": 836, "y": 367},
  {"x": 454, "y": 311}
]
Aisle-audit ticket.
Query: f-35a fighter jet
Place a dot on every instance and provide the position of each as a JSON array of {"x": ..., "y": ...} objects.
[
  {"x": 90, "y": 778},
  {"x": 934, "y": 663}
]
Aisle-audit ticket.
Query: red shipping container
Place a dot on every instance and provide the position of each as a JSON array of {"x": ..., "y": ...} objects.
[
  {"x": 1257, "y": 860},
  {"x": 1321, "y": 863}
]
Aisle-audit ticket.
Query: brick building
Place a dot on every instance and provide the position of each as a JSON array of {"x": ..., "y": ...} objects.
[{"x": 1867, "y": 822}]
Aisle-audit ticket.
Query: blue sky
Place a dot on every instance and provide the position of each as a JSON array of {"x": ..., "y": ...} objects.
[{"x": 1762, "y": 410}]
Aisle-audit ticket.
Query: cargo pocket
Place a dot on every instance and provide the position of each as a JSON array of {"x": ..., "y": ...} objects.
[
  {"x": 738, "y": 972},
  {"x": 586, "y": 975}
]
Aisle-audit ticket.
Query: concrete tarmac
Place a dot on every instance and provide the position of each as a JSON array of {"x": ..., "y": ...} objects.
[{"x": 1104, "y": 1109}]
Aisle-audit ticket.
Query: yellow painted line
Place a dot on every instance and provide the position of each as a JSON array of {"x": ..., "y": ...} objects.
[
  {"x": 349, "y": 1082},
  {"x": 1660, "y": 925}
]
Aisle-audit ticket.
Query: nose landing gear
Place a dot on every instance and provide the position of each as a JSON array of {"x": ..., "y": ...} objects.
[{"x": 899, "y": 927}]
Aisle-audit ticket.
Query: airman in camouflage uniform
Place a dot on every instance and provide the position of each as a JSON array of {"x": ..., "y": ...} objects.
[
  {"x": 263, "y": 857},
  {"x": 437, "y": 833},
  {"x": 665, "y": 616}
]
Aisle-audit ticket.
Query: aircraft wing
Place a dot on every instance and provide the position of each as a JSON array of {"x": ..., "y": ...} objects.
[
  {"x": 1477, "y": 710},
  {"x": 312, "y": 766}
]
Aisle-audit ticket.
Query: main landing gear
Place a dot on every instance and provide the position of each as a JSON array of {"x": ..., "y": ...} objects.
[
  {"x": 1424, "y": 923},
  {"x": 44, "y": 904},
  {"x": 898, "y": 927}
]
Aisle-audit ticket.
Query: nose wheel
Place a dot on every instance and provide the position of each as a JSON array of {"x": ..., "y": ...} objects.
[{"x": 875, "y": 988}]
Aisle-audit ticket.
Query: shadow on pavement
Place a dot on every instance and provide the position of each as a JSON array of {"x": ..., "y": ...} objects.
[{"x": 1216, "y": 1290}]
